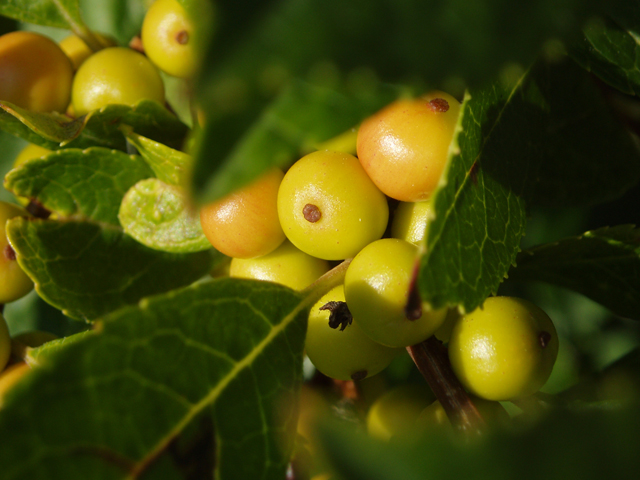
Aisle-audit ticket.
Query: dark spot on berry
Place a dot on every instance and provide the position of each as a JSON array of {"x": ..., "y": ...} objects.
[
  {"x": 9, "y": 252},
  {"x": 359, "y": 375},
  {"x": 439, "y": 105},
  {"x": 311, "y": 213},
  {"x": 544, "y": 338},
  {"x": 340, "y": 315},
  {"x": 182, "y": 37}
]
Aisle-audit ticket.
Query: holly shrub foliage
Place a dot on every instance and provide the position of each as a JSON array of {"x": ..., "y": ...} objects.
[{"x": 167, "y": 370}]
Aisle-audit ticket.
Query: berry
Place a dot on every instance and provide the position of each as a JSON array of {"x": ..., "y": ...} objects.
[
  {"x": 285, "y": 265},
  {"x": 170, "y": 38},
  {"x": 14, "y": 283},
  {"x": 30, "y": 152},
  {"x": 410, "y": 221},
  {"x": 329, "y": 208},
  {"x": 244, "y": 224},
  {"x": 394, "y": 413},
  {"x": 377, "y": 287},
  {"x": 405, "y": 146},
  {"x": 34, "y": 72},
  {"x": 503, "y": 350},
  {"x": 115, "y": 75},
  {"x": 343, "y": 354},
  {"x": 78, "y": 51}
]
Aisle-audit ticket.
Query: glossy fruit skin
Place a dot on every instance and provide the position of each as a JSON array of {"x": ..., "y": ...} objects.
[
  {"x": 394, "y": 413},
  {"x": 78, "y": 51},
  {"x": 503, "y": 350},
  {"x": 377, "y": 288},
  {"x": 115, "y": 75},
  {"x": 410, "y": 221},
  {"x": 14, "y": 283},
  {"x": 404, "y": 147},
  {"x": 5, "y": 343},
  {"x": 245, "y": 223},
  {"x": 169, "y": 38},
  {"x": 352, "y": 211},
  {"x": 34, "y": 72},
  {"x": 286, "y": 265},
  {"x": 343, "y": 354}
]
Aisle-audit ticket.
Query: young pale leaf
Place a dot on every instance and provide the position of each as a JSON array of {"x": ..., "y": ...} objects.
[
  {"x": 99, "y": 128},
  {"x": 297, "y": 122},
  {"x": 159, "y": 216},
  {"x": 88, "y": 270},
  {"x": 562, "y": 445},
  {"x": 210, "y": 373},
  {"x": 602, "y": 264},
  {"x": 548, "y": 139},
  {"x": 169, "y": 165},
  {"x": 82, "y": 183}
]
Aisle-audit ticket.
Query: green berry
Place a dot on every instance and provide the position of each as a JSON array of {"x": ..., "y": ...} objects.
[
  {"x": 377, "y": 286},
  {"x": 170, "y": 38},
  {"x": 329, "y": 208},
  {"x": 410, "y": 221},
  {"x": 115, "y": 75},
  {"x": 343, "y": 354},
  {"x": 503, "y": 350},
  {"x": 5, "y": 343},
  {"x": 286, "y": 265}
]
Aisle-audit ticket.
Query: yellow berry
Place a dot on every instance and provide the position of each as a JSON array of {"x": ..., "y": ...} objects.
[{"x": 34, "y": 72}]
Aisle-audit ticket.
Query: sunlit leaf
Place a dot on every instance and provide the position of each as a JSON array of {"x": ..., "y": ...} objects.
[{"x": 210, "y": 373}]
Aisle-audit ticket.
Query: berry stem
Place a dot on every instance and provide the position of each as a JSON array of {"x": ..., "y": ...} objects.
[
  {"x": 326, "y": 282},
  {"x": 431, "y": 359}
]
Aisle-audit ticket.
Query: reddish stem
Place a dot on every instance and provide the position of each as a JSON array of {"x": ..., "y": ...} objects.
[{"x": 432, "y": 360}]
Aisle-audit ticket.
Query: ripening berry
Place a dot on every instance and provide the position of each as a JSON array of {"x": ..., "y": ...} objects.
[
  {"x": 405, "y": 146},
  {"x": 34, "y": 72}
]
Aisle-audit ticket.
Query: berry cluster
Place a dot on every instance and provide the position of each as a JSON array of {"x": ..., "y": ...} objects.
[
  {"x": 331, "y": 206},
  {"x": 42, "y": 76}
]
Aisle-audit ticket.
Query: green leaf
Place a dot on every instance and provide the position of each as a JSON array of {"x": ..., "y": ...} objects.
[
  {"x": 169, "y": 165},
  {"x": 562, "y": 445},
  {"x": 147, "y": 117},
  {"x": 44, "y": 353},
  {"x": 178, "y": 376},
  {"x": 602, "y": 264},
  {"x": 49, "y": 130},
  {"x": 82, "y": 183},
  {"x": 99, "y": 128},
  {"x": 119, "y": 18},
  {"x": 52, "y": 13},
  {"x": 610, "y": 47},
  {"x": 295, "y": 123},
  {"x": 88, "y": 270},
  {"x": 548, "y": 139},
  {"x": 159, "y": 216}
]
